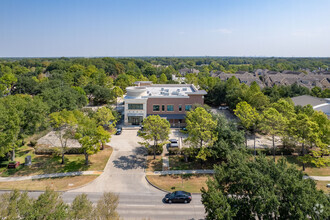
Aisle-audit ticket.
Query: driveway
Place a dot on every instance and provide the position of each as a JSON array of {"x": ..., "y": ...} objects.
[
  {"x": 124, "y": 172},
  {"x": 124, "y": 175}
]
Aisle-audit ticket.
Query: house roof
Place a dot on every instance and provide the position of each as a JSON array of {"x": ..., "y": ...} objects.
[{"x": 307, "y": 99}]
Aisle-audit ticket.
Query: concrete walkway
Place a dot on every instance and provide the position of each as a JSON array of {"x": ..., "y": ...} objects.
[
  {"x": 52, "y": 175},
  {"x": 171, "y": 172}
]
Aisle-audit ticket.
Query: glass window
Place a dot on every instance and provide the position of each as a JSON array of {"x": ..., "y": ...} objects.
[
  {"x": 155, "y": 108},
  {"x": 163, "y": 107},
  {"x": 188, "y": 107},
  {"x": 170, "y": 108},
  {"x": 135, "y": 106},
  {"x": 180, "y": 108}
]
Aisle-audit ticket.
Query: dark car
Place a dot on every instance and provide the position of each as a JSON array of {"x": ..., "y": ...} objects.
[
  {"x": 178, "y": 196},
  {"x": 118, "y": 131},
  {"x": 184, "y": 129}
]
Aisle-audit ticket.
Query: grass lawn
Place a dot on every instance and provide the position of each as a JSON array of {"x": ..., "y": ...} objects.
[
  {"x": 310, "y": 169},
  {"x": 43, "y": 164},
  {"x": 58, "y": 184},
  {"x": 177, "y": 163},
  {"x": 154, "y": 164},
  {"x": 189, "y": 183},
  {"x": 322, "y": 185}
]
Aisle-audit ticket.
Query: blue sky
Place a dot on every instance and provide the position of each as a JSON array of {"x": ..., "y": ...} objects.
[{"x": 52, "y": 28}]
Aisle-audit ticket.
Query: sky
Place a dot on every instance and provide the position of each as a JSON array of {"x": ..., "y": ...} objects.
[{"x": 93, "y": 28}]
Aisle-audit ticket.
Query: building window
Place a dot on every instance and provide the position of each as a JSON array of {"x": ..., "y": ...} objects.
[
  {"x": 135, "y": 106},
  {"x": 188, "y": 107},
  {"x": 163, "y": 107},
  {"x": 180, "y": 108},
  {"x": 170, "y": 108},
  {"x": 155, "y": 108}
]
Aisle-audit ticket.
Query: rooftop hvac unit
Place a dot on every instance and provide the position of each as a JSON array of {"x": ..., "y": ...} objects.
[
  {"x": 184, "y": 89},
  {"x": 162, "y": 89}
]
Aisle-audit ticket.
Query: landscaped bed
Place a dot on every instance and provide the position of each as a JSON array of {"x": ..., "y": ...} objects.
[
  {"x": 154, "y": 164},
  {"x": 189, "y": 183},
  {"x": 177, "y": 163},
  {"x": 58, "y": 184}
]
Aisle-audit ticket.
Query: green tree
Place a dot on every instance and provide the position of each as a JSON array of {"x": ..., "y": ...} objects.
[
  {"x": 64, "y": 124},
  {"x": 15, "y": 205},
  {"x": 81, "y": 208},
  {"x": 201, "y": 129},
  {"x": 49, "y": 205},
  {"x": 249, "y": 119},
  {"x": 7, "y": 81},
  {"x": 104, "y": 117},
  {"x": 273, "y": 123},
  {"x": 229, "y": 139},
  {"x": 304, "y": 130},
  {"x": 117, "y": 92},
  {"x": 9, "y": 129},
  {"x": 245, "y": 189},
  {"x": 153, "y": 79},
  {"x": 155, "y": 129},
  {"x": 162, "y": 79},
  {"x": 88, "y": 135},
  {"x": 106, "y": 207}
]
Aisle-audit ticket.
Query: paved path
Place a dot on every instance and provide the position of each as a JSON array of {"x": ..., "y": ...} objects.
[
  {"x": 170, "y": 172},
  {"x": 52, "y": 175}
]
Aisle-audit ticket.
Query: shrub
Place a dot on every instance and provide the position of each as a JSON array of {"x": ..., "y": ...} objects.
[
  {"x": 174, "y": 151},
  {"x": 44, "y": 149},
  {"x": 159, "y": 150},
  {"x": 33, "y": 143}
]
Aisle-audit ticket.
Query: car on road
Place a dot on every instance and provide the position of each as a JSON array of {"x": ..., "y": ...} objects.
[
  {"x": 119, "y": 130},
  {"x": 178, "y": 196}
]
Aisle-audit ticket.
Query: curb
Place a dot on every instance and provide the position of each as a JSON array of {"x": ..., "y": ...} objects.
[{"x": 156, "y": 186}]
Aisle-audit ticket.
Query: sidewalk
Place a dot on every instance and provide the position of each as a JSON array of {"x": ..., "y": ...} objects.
[
  {"x": 176, "y": 172},
  {"x": 52, "y": 175}
]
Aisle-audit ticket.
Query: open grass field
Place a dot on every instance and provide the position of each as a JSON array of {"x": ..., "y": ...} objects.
[
  {"x": 189, "y": 183},
  {"x": 322, "y": 185},
  {"x": 43, "y": 164},
  {"x": 57, "y": 184},
  {"x": 310, "y": 169}
]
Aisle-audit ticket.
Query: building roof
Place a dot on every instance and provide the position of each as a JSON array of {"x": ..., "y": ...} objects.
[
  {"x": 163, "y": 91},
  {"x": 307, "y": 99}
]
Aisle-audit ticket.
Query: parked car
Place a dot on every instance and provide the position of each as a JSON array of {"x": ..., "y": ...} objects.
[
  {"x": 223, "y": 107},
  {"x": 173, "y": 143},
  {"x": 119, "y": 130},
  {"x": 173, "y": 140},
  {"x": 178, "y": 196},
  {"x": 184, "y": 129}
]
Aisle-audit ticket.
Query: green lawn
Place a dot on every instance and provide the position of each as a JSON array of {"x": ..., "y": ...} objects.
[
  {"x": 43, "y": 164},
  {"x": 189, "y": 183},
  {"x": 309, "y": 168}
]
